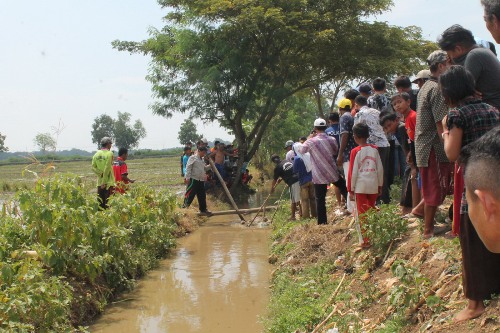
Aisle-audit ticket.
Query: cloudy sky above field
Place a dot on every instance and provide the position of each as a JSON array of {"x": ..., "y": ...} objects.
[{"x": 57, "y": 65}]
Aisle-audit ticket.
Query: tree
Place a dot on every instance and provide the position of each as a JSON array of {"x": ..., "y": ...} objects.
[
  {"x": 235, "y": 62},
  {"x": 2, "y": 143},
  {"x": 188, "y": 132},
  {"x": 45, "y": 142},
  {"x": 120, "y": 130}
]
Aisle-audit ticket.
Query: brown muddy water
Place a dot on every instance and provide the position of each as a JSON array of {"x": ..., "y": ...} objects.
[{"x": 216, "y": 281}]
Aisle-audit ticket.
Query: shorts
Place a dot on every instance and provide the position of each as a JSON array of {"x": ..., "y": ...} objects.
[
  {"x": 435, "y": 180},
  {"x": 295, "y": 192}
]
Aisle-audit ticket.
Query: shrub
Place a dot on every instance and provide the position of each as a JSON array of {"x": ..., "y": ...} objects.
[{"x": 384, "y": 226}]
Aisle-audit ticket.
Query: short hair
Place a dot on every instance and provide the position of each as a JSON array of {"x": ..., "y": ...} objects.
[
  {"x": 334, "y": 116},
  {"x": 402, "y": 81},
  {"x": 387, "y": 116},
  {"x": 455, "y": 35},
  {"x": 456, "y": 84},
  {"x": 480, "y": 160},
  {"x": 303, "y": 138},
  {"x": 216, "y": 142},
  {"x": 122, "y": 151},
  {"x": 351, "y": 94},
  {"x": 361, "y": 130},
  {"x": 378, "y": 84},
  {"x": 187, "y": 148},
  {"x": 361, "y": 100},
  {"x": 202, "y": 148},
  {"x": 491, "y": 7},
  {"x": 403, "y": 95}
]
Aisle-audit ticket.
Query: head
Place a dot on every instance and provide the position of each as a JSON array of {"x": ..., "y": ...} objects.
[
  {"x": 221, "y": 146},
  {"x": 456, "y": 41},
  {"x": 333, "y": 118},
  {"x": 106, "y": 142},
  {"x": 438, "y": 62},
  {"x": 189, "y": 144},
  {"x": 202, "y": 151},
  {"x": 402, "y": 83},
  {"x": 204, "y": 142},
  {"x": 360, "y": 101},
  {"x": 319, "y": 125},
  {"x": 401, "y": 102},
  {"x": 481, "y": 160},
  {"x": 379, "y": 85},
  {"x": 123, "y": 153},
  {"x": 422, "y": 77},
  {"x": 365, "y": 89},
  {"x": 302, "y": 139},
  {"x": 345, "y": 105},
  {"x": 361, "y": 133},
  {"x": 492, "y": 17},
  {"x": 389, "y": 121},
  {"x": 216, "y": 143},
  {"x": 187, "y": 150},
  {"x": 351, "y": 94},
  {"x": 288, "y": 145},
  {"x": 275, "y": 158},
  {"x": 456, "y": 84}
]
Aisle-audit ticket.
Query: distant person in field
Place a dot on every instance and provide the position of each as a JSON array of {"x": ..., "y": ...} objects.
[
  {"x": 195, "y": 181},
  {"x": 284, "y": 171},
  {"x": 482, "y": 187},
  {"x": 121, "y": 171},
  {"x": 102, "y": 165},
  {"x": 366, "y": 175},
  {"x": 492, "y": 17},
  {"x": 468, "y": 120}
]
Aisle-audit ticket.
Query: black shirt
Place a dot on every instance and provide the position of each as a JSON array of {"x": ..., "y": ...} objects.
[{"x": 284, "y": 169}]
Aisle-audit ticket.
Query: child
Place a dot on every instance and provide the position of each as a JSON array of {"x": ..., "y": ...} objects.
[
  {"x": 184, "y": 160},
  {"x": 366, "y": 174},
  {"x": 121, "y": 172}
]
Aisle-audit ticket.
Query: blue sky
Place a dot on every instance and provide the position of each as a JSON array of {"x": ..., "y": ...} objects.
[{"x": 57, "y": 65}]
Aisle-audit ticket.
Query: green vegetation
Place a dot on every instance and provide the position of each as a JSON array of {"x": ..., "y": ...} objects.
[
  {"x": 61, "y": 258},
  {"x": 124, "y": 134},
  {"x": 384, "y": 227}
]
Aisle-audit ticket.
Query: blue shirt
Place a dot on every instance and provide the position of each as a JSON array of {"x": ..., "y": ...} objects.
[
  {"x": 185, "y": 159},
  {"x": 300, "y": 168},
  {"x": 334, "y": 130}
]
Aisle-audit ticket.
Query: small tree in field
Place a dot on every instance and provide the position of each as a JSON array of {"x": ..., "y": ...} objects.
[
  {"x": 45, "y": 142},
  {"x": 188, "y": 132},
  {"x": 120, "y": 130},
  {"x": 2, "y": 143}
]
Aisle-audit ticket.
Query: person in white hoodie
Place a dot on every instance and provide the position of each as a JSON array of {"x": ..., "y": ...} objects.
[{"x": 366, "y": 174}]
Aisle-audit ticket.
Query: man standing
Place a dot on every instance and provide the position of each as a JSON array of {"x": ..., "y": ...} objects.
[
  {"x": 284, "y": 170},
  {"x": 371, "y": 117},
  {"x": 120, "y": 171},
  {"x": 102, "y": 165},
  {"x": 461, "y": 47},
  {"x": 429, "y": 150},
  {"x": 324, "y": 170},
  {"x": 195, "y": 180}
]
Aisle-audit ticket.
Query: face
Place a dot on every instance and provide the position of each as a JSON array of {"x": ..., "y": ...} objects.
[
  {"x": 401, "y": 105},
  {"x": 493, "y": 26},
  {"x": 420, "y": 83},
  {"x": 391, "y": 126},
  {"x": 455, "y": 52},
  {"x": 487, "y": 229}
]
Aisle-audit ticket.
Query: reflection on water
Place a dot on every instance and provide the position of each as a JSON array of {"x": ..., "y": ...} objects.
[{"x": 217, "y": 281}]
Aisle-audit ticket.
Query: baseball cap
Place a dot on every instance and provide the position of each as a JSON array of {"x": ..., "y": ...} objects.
[
  {"x": 437, "y": 57},
  {"x": 204, "y": 140},
  {"x": 106, "y": 140},
  {"x": 289, "y": 143},
  {"x": 319, "y": 122},
  {"x": 345, "y": 103},
  {"x": 423, "y": 74},
  {"x": 365, "y": 88}
]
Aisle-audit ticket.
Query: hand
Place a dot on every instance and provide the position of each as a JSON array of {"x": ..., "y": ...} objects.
[
  {"x": 340, "y": 160},
  {"x": 444, "y": 121},
  {"x": 413, "y": 173},
  {"x": 478, "y": 94},
  {"x": 352, "y": 196}
]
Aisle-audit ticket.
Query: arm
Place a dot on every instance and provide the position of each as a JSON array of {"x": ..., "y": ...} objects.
[
  {"x": 452, "y": 142},
  {"x": 189, "y": 168},
  {"x": 343, "y": 144},
  {"x": 353, "y": 172}
]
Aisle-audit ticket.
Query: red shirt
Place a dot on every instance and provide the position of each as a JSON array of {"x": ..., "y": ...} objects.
[
  {"x": 410, "y": 124},
  {"x": 120, "y": 169}
]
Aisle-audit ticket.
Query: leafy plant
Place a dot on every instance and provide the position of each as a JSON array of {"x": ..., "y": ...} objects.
[{"x": 384, "y": 226}]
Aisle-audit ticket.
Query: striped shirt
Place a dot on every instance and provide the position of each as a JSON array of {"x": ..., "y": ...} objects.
[{"x": 322, "y": 149}]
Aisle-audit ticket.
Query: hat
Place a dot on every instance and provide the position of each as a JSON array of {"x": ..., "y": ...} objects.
[
  {"x": 289, "y": 143},
  {"x": 345, "y": 103},
  {"x": 424, "y": 74},
  {"x": 106, "y": 140},
  {"x": 365, "y": 88},
  {"x": 437, "y": 57},
  {"x": 319, "y": 122},
  {"x": 275, "y": 157},
  {"x": 204, "y": 140}
]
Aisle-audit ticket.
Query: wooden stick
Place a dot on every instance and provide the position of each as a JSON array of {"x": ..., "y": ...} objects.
[
  {"x": 261, "y": 207},
  {"x": 387, "y": 253},
  {"x": 214, "y": 169},
  {"x": 278, "y": 204},
  {"x": 242, "y": 211}
]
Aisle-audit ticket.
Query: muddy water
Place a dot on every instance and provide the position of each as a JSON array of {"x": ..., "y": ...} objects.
[{"x": 216, "y": 281}]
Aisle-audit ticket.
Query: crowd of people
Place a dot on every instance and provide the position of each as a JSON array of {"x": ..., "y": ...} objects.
[{"x": 432, "y": 137}]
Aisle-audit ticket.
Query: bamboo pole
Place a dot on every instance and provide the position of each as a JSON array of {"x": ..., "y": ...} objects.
[
  {"x": 242, "y": 211},
  {"x": 262, "y": 207},
  {"x": 214, "y": 169}
]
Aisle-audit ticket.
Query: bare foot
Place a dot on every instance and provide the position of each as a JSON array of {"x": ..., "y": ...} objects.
[{"x": 473, "y": 310}]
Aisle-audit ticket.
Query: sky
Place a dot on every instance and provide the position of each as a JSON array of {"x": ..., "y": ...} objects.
[{"x": 58, "y": 69}]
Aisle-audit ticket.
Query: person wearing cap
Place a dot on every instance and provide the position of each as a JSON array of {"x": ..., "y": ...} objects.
[
  {"x": 195, "y": 181},
  {"x": 365, "y": 89},
  {"x": 284, "y": 171},
  {"x": 289, "y": 151},
  {"x": 322, "y": 149},
  {"x": 421, "y": 78},
  {"x": 492, "y": 17},
  {"x": 102, "y": 165},
  {"x": 431, "y": 159}
]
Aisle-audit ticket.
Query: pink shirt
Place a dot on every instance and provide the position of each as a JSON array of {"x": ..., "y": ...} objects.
[{"x": 322, "y": 149}]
